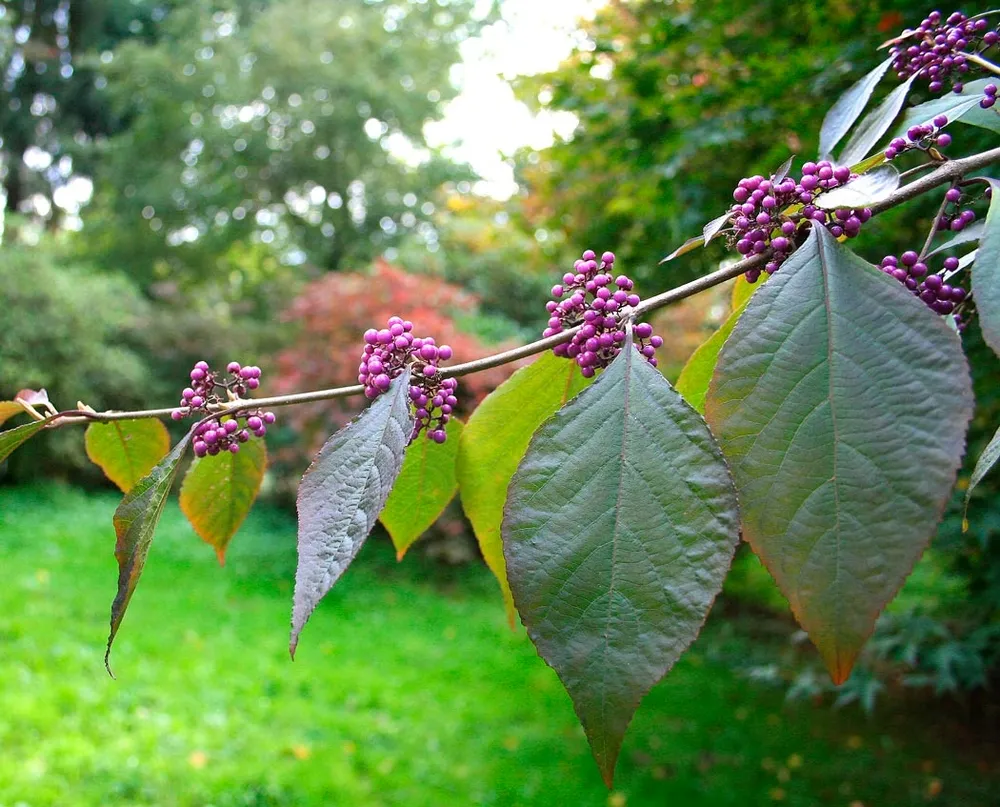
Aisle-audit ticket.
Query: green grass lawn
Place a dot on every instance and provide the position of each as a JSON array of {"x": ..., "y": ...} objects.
[{"x": 408, "y": 689}]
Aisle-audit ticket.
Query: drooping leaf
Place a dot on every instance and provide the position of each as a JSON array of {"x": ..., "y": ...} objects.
[
  {"x": 875, "y": 124},
  {"x": 963, "y": 107},
  {"x": 9, "y": 409},
  {"x": 783, "y": 170},
  {"x": 963, "y": 263},
  {"x": 693, "y": 381},
  {"x": 984, "y": 465},
  {"x": 343, "y": 492},
  {"x": 690, "y": 245},
  {"x": 710, "y": 230},
  {"x": 878, "y": 184},
  {"x": 218, "y": 493},
  {"x": 127, "y": 450},
  {"x": 620, "y": 525},
  {"x": 842, "y": 404},
  {"x": 743, "y": 289},
  {"x": 986, "y": 273},
  {"x": 971, "y": 233},
  {"x": 425, "y": 486},
  {"x": 13, "y": 439},
  {"x": 495, "y": 439},
  {"x": 849, "y": 106},
  {"x": 135, "y": 522}
]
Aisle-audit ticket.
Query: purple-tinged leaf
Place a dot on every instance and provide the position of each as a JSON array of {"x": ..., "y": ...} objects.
[
  {"x": 135, "y": 523},
  {"x": 986, "y": 273},
  {"x": 12, "y": 439},
  {"x": 783, "y": 170},
  {"x": 849, "y": 106},
  {"x": 343, "y": 492},
  {"x": 620, "y": 526},
  {"x": 878, "y": 184},
  {"x": 875, "y": 124},
  {"x": 971, "y": 233},
  {"x": 820, "y": 401}
]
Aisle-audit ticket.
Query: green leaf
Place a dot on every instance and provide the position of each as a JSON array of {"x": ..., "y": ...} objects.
[
  {"x": 963, "y": 106},
  {"x": 219, "y": 491},
  {"x": 9, "y": 409},
  {"x": 875, "y": 124},
  {"x": 690, "y": 245},
  {"x": 495, "y": 439},
  {"x": 841, "y": 402},
  {"x": 984, "y": 465},
  {"x": 712, "y": 229},
  {"x": 135, "y": 522},
  {"x": 13, "y": 439},
  {"x": 697, "y": 373},
  {"x": 620, "y": 526},
  {"x": 743, "y": 290},
  {"x": 874, "y": 186},
  {"x": 424, "y": 488},
  {"x": 986, "y": 273},
  {"x": 127, "y": 450},
  {"x": 849, "y": 106},
  {"x": 343, "y": 492}
]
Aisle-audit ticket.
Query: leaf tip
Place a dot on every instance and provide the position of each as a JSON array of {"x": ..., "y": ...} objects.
[
  {"x": 107, "y": 659},
  {"x": 221, "y": 555}
]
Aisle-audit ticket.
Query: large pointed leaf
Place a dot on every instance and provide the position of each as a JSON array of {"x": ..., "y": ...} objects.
[
  {"x": 984, "y": 465},
  {"x": 12, "y": 439},
  {"x": 875, "y": 186},
  {"x": 219, "y": 491},
  {"x": 127, "y": 450},
  {"x": 342, "y": 494},
  {"x": 842, "y": 404},
  {"x": 693, "y": 381},
  {"x": 962, "y": 107},
  {"x": 849, "y": 106},
  {"x": 875, "y": 124},
  {"x": 986, "y": 273},
  {"x": 8, "y": 409},
  {"x": 135, "y": 522},
  {"x": 424, "y": 488},
  {"x": 495, "y": 439},
  {"x": 620, "y": 525}
]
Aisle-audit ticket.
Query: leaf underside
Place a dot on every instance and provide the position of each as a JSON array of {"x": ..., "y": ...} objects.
[
  {"x": 135, "y": 522},
  {"x": 218, "y": 493},
  {"x": 127, "y": 450},
  {"x": 494, "y": 441},
  {"x": 426, "y": 485},
  {"x": 842, "y": 403},
  {"x": 620, "y": 525},
  {"x": 957, "y": 107},
  {"x": 848, "y": 108},
  {"x": 984, "y": 465},
  {"x": 342, "y": 493},
  {"x": 875, "y": 124},
  {"x": 986, "y": 273}
]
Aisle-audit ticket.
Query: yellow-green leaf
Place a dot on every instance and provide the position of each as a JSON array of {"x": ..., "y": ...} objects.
[
  {"x": 8, "y": 409},
  {"x": 743, "y": 289},
  {"x": 494, "y": 441},
  {"x": 12, "y": 439},
  {"x": 423, "y": 489},
  {"x": 219, "y": 491},
  {"x": 697, "y": 373},
  {"x": 127, "y": 450}
]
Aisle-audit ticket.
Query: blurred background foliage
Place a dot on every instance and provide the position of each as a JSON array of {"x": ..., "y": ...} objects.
[{"x": 233, "y": 178}]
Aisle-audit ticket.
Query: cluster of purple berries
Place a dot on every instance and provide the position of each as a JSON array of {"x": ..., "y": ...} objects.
[
  {"x": 387, "y": 352},
  {"x": 989, "y": 96},
  {"x": 592, "y": 297},
  {"x": 912, "y": 272},
  {"x": 760, "y": 221},
  {"x": 221, "y": 433},
  {"x": 953, "y": 217},
  {"x": 939, "y": 54},
  {"x": 922, "y": 136}
]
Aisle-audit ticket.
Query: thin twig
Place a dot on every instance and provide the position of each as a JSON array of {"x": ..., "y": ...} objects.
[
  {"x": 948, "y": 172},
  {"x": 986, "y": 64}
]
